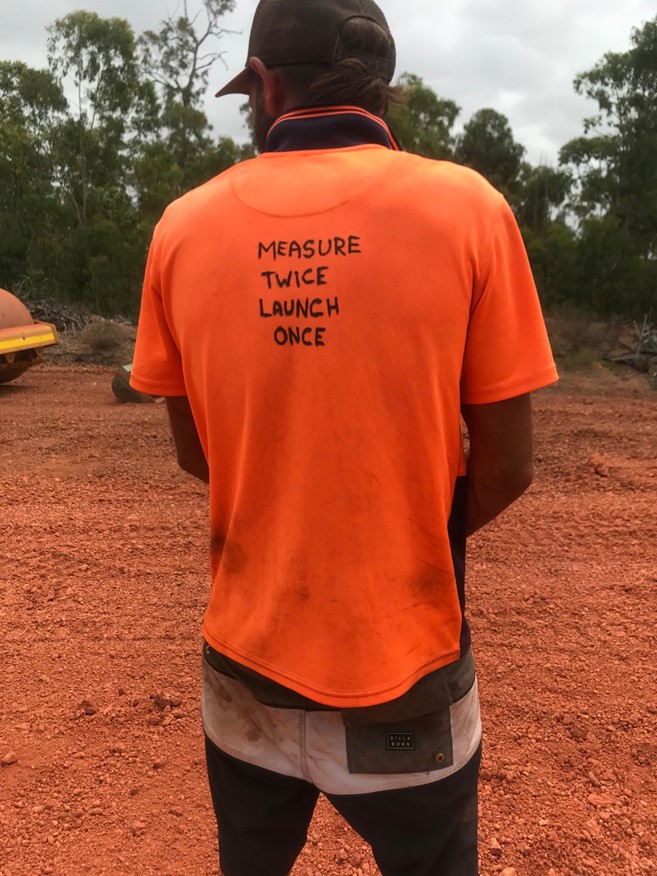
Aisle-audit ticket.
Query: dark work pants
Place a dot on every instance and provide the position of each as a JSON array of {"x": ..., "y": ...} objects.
[{"x": 263, "y": 819}]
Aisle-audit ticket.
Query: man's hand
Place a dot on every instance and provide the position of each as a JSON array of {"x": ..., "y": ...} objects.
[
  {"x": 191, "y": 457},
  {"x": 500, "y": 465}
]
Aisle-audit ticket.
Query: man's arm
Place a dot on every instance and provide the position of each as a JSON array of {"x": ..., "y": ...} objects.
[
  {"x": 500, "y": 464},
  {"x": 191, "y": 457}
]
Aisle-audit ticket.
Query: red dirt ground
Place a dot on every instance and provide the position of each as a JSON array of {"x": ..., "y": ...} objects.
[{"x": 103, "y": 581}]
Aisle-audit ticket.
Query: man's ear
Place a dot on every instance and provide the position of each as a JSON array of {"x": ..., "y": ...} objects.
[{"x": 272, "y": 87}]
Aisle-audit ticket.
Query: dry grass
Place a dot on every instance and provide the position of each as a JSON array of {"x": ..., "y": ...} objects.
[
  {"x": 102, "y": 336},
  {"x": 579, "y": 339}
]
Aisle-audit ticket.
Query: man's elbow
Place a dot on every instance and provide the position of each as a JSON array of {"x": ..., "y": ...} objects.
[{"x": 507, "y": 480}]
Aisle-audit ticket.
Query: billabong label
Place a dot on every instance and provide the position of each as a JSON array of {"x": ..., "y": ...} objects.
[{"x": 400, "y": 741}]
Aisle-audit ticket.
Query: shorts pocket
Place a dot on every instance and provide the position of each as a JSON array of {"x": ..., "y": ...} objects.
[
  {"x": 416, "y": 745},
  {"x": 412, "y": 734}
]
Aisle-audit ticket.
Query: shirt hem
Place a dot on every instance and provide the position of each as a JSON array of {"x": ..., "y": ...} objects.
[
  {"x": 540, "y": 380},
  {"x": 341, "y": 699},
  {"x": 153, "y": 387}
]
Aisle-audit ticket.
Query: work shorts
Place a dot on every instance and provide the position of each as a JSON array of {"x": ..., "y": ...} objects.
[{"x": 407, "y": 785}]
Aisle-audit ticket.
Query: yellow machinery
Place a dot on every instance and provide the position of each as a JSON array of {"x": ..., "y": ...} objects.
[{"x": 21, "y": 338}]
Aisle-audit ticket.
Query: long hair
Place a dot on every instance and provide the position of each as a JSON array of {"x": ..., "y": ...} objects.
[{"x": 363, "y": 65}]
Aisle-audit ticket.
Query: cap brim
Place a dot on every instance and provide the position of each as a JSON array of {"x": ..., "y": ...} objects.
[{"x": 241, "y": 84}]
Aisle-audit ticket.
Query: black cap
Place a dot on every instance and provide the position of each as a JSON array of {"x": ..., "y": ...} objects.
[{"x": 295, "y": 32}]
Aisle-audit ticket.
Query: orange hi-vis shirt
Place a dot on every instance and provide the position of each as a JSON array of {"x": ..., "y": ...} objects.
[{"x": 328, "y": 312}]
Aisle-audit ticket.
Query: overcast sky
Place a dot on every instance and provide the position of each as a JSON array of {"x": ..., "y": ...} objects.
[{"x": 517, "y": 56}]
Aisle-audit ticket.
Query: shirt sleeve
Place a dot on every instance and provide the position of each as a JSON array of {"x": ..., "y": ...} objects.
[
  {"x": 507, "y": 348},
  {"x": 157, "y": 365}
]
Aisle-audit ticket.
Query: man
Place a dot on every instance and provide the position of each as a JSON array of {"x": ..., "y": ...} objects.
[{"x": 319, "y": 318}]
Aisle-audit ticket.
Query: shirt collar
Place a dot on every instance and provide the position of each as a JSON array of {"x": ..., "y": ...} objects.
[{"x": 328, "y": 127}]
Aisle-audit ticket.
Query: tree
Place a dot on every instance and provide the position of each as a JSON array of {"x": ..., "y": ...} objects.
[
  {"x": 98, "y": 56},
  {"x": 91, "y": 147},
  {"x": 487, "y": 145},
  {"x": 178, "y": 58},
  {"x": 423, "y": 123},
  {"x": 615, "y": 170},
  {"x": 82, "y": 184},
  {"x": 615, "y": 278},
  {"x": 539, "y": 194},
  {"x": 31, "y": 103},
  {"x": 617, "y": 166},
  {"x": 553, "y": 253}
]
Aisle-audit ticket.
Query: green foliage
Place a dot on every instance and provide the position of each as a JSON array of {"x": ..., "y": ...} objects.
[
  {"x": 423, "y": 123},
  {"x": 177, "y": 59},
  {"x": 553, "y": 253},
  {"x": 616, "y": 276},
  {"x": 31, "y": 105},
  {"x": 96, "y": 57},
  {"x": 540, "y": 193},
  {"x": 28, "y": 96},
  {"x": 99, "y": 56},
  {"x": 614, "y": 166},
  {"x": 487, "y": 146},
  {"x": 176, "y": 56},
  {"x": 82, "y": 185}
]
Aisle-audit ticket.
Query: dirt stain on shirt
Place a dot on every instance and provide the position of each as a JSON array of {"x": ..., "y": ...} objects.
[{"x": 228, "y": 554}]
